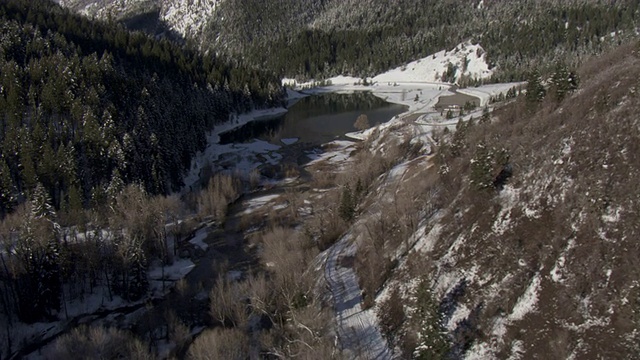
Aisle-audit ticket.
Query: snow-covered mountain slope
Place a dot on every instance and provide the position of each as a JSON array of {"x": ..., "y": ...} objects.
[
  {"x": 323, "y": 38},
  {"x": 467, "y": 59},
  {"x": 466, "y": 62},
  {"x": 103, "y": 9},
  {"x": 187, "y": 18},
  {"x": 545, "y": 266}
]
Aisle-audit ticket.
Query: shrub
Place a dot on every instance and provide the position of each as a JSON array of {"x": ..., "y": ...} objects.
[
  {"x": 362, "y": 123},
  {"x": 99, "y": 343},
  {"x": 391, "y": 314},
  {"x": 231, "y": 344},
  {"x": 221, "y": 191}
]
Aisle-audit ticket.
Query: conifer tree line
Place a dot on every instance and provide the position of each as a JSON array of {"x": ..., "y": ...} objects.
[
  {"x": 320, "y": 39},
  {"x": 88, "y": 104}
]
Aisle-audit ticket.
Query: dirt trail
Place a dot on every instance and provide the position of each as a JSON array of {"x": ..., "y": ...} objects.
[{"x": 358, "y": 332}]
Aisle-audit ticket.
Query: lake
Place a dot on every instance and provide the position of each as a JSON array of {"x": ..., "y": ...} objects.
[{"x": 317, "y": 119}]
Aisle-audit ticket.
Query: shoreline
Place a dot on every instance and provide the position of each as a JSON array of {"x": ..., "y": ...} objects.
[
  {"x": 419, "y": 98},
  {"x": 202, "y": 158}
]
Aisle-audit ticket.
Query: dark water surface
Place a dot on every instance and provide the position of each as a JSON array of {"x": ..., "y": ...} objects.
[{"x": 317, "y": 119}]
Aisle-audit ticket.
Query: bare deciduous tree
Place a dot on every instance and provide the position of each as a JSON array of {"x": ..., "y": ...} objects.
[
  {"x": 214, "y": 200},
  {"x": 227, "y": 302},
  {"x": 231, "y": 344},
  {"x": 99, "y": 343}
]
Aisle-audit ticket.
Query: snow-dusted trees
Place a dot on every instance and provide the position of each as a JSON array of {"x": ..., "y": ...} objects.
[
  {"x": 563, "y": 82},
  {"x": 535, "y": 89},
  {"x": 32, "y": 262},
  {"x": 369, "y": 38},
  {"x": 432, "y": 341},
  {"x": 449, "y": 74},
  {"x": 76, "y": 111},
  {"x": 488, "y": 166},
  {"x": 38, "y": 256}
]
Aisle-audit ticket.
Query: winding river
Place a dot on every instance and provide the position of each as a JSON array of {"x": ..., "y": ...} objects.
[{"x": 309, "y": 123}]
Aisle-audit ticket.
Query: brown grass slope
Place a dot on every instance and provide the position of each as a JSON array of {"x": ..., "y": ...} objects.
[{"x": 551, "y": 263}]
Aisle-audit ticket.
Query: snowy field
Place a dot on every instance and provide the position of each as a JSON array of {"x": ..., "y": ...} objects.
[{"x": 431, "y": 68}]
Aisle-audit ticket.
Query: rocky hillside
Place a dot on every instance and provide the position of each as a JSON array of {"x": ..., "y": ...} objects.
[
  {"x": 524, "y": 241},
  {"x": 186, "y": 19}
]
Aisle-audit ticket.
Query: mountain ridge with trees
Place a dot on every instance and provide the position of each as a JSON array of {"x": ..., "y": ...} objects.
[
  {"x": 321, "y": 39},
  {"x": 89, "y": 105}
]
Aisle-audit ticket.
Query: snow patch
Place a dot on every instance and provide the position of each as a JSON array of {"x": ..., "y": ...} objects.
[
  {"x": 256, "y": 204},
  {"x": 612, "y": 215},
  {"x": 338, "y": 152},
  {"x": 289, "y": 141},
  {"x": 198, "y": 239},
  {"x": 558, "y": 268},
  {"x": 398, "y": 171},
  {"x": 517, "y": 350},
  {"x": 527, "y": 302},
  {"x": 234, "y": 275},
  {"x": 292, "y": 94},
  {"x": 426, "y": 243},
  {"x": 355, "y": 325},
  {"x": 556, "y": 272},
  {"x": 176, "y": 271},
  {"x": 508, "y": 197},
  {"x": 462, "y": 312},
  {"x": 480, "y": 351}
]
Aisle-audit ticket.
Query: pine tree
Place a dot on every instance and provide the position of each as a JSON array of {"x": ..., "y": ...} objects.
[
  {"x": 481, "y": 167},
  {"x": 347, "y": 204},
  {"x": 449, "y": 114},
  {"x": 433, "y": 343},
  {"x": 359, "y": 191},
  {"x": 459, "y": 141},
  {"x": 116, "y": 185},
  {"x": 391, "y": 314},
  {"x": 38, "y": 250},
  {"x": 41, "y": 204},
  {"x": 138, "y": 283},
  {"x": 486, "y": 116},
  {"x": 8, "y": 192},
  {"x": 487, "y": 164},
  {"x": 74, "y": 207},
  {"x": 563, "y": 82},
  {"x": 560, "y": 82},
  {"x": 535, "y": 90}
]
